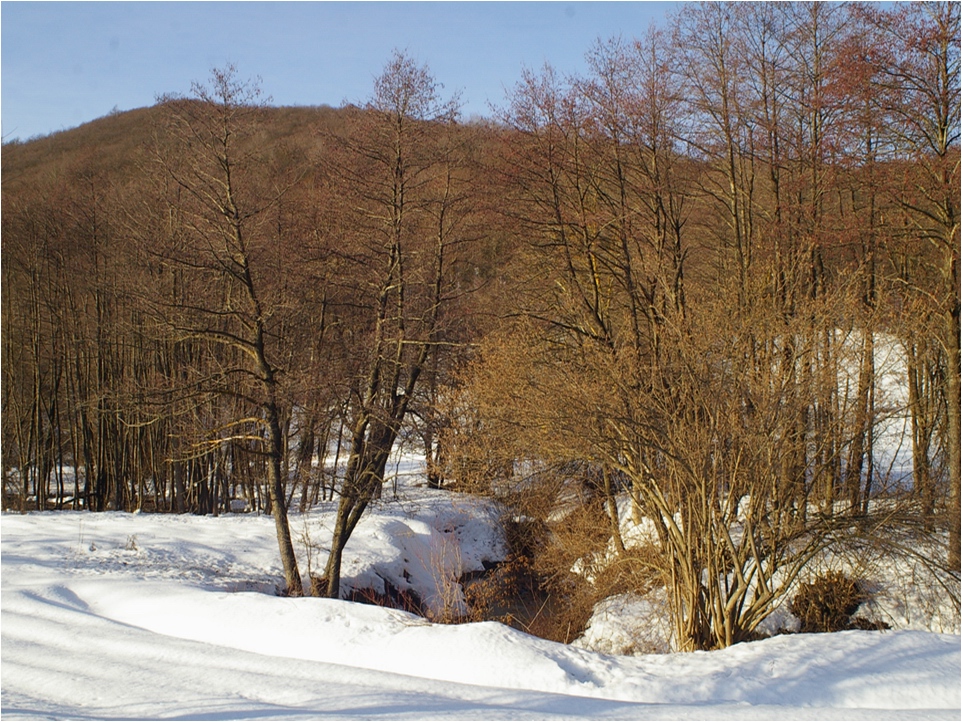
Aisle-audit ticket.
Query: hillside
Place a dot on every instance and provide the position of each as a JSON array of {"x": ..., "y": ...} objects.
[{"x": 114, "y": 145}]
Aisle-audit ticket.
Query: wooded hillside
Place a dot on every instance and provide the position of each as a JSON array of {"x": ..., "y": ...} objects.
[{"x": 669, "y": 279}]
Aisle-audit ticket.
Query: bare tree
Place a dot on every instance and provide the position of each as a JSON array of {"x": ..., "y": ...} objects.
[
  {"x": 917, "y": 77},
  {"x": 685, "y": 336},
  {"x": 221, "y": 191},
  {"x": 402, "y": 185}
]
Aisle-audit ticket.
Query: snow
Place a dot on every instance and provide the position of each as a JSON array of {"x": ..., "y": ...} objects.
[
  {"x": 159, "y": 616},
  {"x": 422, "y": 544},
  {"x": 629, "y": 624}
]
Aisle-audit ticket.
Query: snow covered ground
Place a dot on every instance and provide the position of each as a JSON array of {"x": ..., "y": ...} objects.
[{"x": 124, "y": 616}]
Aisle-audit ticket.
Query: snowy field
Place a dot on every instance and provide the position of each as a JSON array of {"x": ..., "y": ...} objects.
[{"x": 123, "y": 616}]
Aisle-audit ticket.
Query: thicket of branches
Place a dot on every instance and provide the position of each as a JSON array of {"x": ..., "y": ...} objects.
[{"x": 669, "y": 280}]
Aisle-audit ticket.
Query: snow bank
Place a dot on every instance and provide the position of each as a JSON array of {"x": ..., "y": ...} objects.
[
  {"x": 115, "y": 615},
  {"x": 422, "y": 544},
  {"x": 629, "y": 624}
]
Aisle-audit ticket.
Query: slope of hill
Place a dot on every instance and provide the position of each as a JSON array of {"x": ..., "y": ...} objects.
[{"x": 114, "y": 144}]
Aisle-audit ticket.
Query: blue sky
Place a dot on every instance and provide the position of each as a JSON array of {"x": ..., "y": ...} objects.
[{"x": 65, "y": 63}]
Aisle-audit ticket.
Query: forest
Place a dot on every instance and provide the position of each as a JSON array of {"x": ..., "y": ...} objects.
[{"x": 671, "y": 281}]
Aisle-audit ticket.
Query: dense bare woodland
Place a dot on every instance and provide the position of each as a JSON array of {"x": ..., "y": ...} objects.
[{"x": 668, "y": 283}]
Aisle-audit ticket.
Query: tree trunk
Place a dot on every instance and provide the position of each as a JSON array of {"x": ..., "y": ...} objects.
[
  {"x": 954, "y": 447},
  {"x": 292, "y": 576}
]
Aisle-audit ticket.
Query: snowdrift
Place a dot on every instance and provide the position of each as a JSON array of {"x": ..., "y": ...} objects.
[{"x": 151, "y": 617}]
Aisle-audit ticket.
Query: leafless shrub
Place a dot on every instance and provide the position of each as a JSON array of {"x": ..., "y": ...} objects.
[{"x": 828, "y": 603}]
